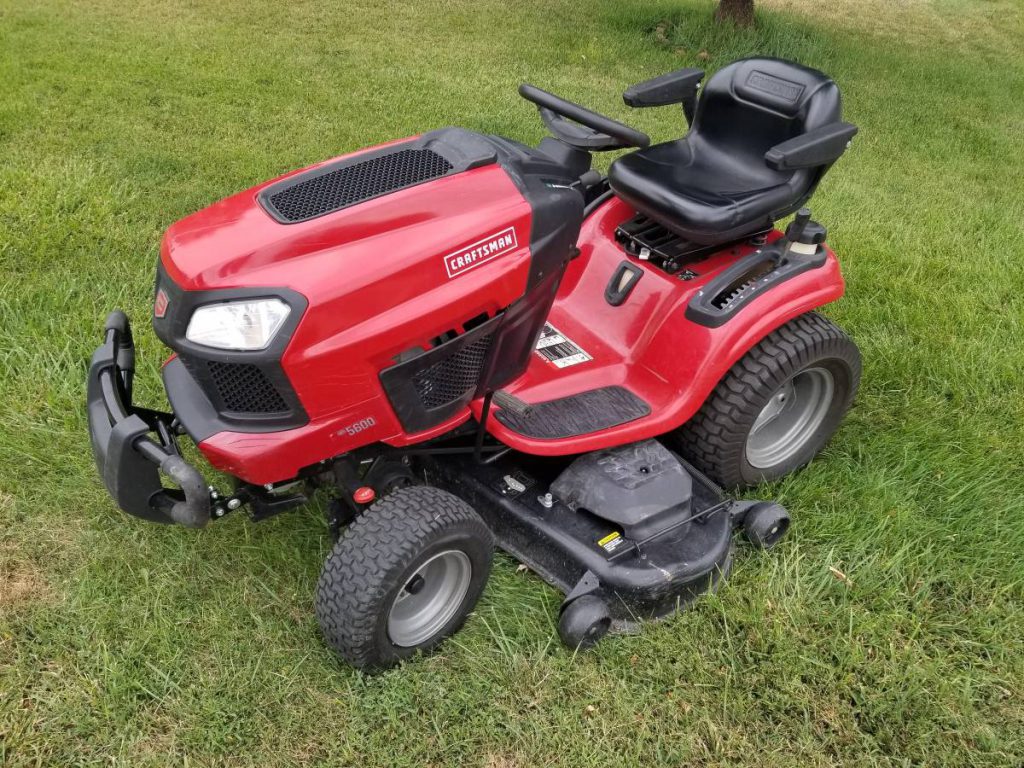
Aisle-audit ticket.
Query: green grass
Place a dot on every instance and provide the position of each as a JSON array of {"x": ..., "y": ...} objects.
[{"x": 128, "y": 644}]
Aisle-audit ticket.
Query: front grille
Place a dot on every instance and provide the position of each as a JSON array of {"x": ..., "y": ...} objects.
[
  {"x": 244, "y": 388},
  {"x": 310, "y": 195},
  {"x": 453, "y": 377}
]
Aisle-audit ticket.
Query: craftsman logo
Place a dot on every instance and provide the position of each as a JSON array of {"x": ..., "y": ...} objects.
[
  {"x": 160, "y": 304},
  {"x": 776, "y": 86},
  {"x": 480, "y": 252}
]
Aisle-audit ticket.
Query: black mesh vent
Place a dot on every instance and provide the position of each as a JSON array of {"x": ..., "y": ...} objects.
[
  {"x": 325, "y": 192},
  {"x": 452, "y": 378},
  {"x": 244, "y": 388}
]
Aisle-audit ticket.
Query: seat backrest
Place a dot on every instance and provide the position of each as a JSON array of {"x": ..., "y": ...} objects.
[{"x": 751, "y": 105}]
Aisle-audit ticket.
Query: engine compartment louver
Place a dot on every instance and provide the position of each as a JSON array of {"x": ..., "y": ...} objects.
[{"x": 350, "y": 181}]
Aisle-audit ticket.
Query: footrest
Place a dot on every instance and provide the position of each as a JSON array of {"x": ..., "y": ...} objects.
[{"x": 578, "y": 414}]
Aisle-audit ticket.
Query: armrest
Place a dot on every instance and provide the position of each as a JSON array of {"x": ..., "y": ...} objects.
[
  {"x": 821, "y": 146},
  {"x": 672, "y": 88}
]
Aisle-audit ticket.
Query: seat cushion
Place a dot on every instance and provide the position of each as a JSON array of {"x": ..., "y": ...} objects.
[
  {"x": 700, "y": 195},
  {"x": 714, "y": 185}
]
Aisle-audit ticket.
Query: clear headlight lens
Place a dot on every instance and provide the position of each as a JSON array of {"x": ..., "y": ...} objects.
[{"x": 242, "y": 325}]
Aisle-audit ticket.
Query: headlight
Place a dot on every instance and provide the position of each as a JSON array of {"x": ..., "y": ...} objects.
[{"x": 244, "y": 325}]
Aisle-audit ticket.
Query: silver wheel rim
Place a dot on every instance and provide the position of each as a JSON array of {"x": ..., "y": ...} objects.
[
  {"x": 430, "y": 598},
  {"x": 790, "y": 419}
]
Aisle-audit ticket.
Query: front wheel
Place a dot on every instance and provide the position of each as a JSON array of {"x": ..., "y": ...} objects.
[
  {"x": 403, "y": 577},
  {"x": 777, "y": 407}
]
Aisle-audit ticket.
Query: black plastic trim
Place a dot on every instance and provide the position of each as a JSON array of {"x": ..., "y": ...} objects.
[
  {"x": 615, "y": 293},
  {"x": 398, "y": 380},
  {"x": 171, "y": 330},
  {"x": 702, "y": 310}
]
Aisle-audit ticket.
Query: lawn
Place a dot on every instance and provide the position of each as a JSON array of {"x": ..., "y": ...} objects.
[{"x": 136, "y": 645}]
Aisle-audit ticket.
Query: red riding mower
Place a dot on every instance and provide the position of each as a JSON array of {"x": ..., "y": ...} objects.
[{"x": 470, "y": 341}]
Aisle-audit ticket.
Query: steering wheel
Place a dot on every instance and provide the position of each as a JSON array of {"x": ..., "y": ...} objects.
[{"x": 590, "y": 130}]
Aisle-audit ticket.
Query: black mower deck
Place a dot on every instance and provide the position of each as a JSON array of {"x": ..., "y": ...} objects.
[{"x": 581, "y": 553}]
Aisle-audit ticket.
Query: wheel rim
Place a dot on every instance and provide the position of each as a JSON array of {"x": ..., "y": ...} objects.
[
  {"x": 790, "y": 419},
  {"x": 430, "y": 598}
]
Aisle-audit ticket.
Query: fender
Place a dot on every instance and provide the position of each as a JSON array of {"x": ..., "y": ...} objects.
[{"x": 646, "y": 343}]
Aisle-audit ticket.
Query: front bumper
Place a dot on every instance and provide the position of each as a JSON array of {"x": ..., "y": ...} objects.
[{"x": 128, "y": 457}]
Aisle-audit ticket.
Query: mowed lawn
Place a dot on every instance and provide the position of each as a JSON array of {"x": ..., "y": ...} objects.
[{"x": 885, "y": 631}]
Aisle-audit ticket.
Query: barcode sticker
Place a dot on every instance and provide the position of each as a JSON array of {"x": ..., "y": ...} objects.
[{"x": 563, "y": 352}]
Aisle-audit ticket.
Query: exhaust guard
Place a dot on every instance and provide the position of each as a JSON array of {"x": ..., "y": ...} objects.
[{"x": 129, "y": 460}]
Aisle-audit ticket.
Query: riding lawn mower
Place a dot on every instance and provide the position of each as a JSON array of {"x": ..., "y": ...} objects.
[{"x": 470, "y": 342}]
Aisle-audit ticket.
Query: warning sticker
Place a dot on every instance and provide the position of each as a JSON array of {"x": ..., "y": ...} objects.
[
  {"x": 611, "y": 542},
  {"x": 554, "y": 347}
]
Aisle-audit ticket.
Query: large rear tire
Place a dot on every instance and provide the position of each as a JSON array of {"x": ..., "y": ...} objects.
[
  {"x": 777, "y": 406},
  {"x": 403, "y": 577}
]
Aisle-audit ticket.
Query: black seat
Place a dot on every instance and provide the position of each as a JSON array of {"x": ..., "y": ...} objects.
[{"x": 763, "y": 134}]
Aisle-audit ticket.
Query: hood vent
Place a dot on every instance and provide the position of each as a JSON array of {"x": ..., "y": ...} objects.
[{"x": 350, "y": 181}]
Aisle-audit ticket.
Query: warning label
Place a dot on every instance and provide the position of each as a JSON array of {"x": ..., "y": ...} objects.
[
  {"x": 554, "y": 347},
  {"x": 611, "y": 542}
]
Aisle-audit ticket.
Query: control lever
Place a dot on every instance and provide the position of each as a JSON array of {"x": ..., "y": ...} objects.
[
  {"x": 803, "y": 236},
  {"x": 589, "y": 179},
  {"x": 797, "y": 225}
]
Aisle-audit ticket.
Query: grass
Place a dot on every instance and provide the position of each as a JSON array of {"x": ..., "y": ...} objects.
[{"x": 128, "y": 644}]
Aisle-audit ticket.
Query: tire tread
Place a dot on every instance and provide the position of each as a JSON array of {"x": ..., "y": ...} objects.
[
  {"x": 714, "y": 439},
  {"x": 353, "y": 584}
]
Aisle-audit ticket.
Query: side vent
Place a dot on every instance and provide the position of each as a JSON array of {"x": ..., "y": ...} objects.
[
  {"x": 450, "y": 379},
  {"x": 427, "y": 387},
  {"x": 726, "y": 295},
  {"x": 240, "y": 389}
]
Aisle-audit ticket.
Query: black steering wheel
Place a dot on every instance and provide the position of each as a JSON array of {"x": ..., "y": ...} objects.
[{"x": 590, "y": 130}]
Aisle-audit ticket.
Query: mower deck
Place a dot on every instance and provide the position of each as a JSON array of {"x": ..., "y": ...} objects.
[{"x": 581, "y": 553}]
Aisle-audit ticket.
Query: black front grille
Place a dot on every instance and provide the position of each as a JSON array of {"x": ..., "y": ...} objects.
[
  {"x": 352, "y": 181},
  {"x": 453, "y": 377},
  {"x": 244, "y": 388},
  {"x": 240, "y": 388}
]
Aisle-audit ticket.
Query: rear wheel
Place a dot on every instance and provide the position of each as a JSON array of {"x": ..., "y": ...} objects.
[
  {"x": 777, "y": 407},
  {"x": 403, "y": 577}
]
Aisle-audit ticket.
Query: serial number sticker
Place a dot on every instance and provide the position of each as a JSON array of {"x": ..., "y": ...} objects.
[
  {"x": 611, "y": 542},
  {"x": 559, "y": 350}
]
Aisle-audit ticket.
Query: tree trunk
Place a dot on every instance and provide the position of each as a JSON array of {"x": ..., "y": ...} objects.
[{"x": 739, "y": 12}]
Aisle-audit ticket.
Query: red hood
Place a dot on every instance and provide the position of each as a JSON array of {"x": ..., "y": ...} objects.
[{"x": 236, "y": 243}]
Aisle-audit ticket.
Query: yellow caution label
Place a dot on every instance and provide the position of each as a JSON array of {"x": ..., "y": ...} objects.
[{"x": 608, "y": 539}]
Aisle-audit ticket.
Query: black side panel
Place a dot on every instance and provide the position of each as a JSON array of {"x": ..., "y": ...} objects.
[
  {"x": 517, "y": 335},
  {"x": 579, "y": 414},
  {"x": 557, "y": 215},
  {"x": 434, "y": 386},
  {"x": 354, "y": 180},
  {"x": 557, "y": 209}
]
